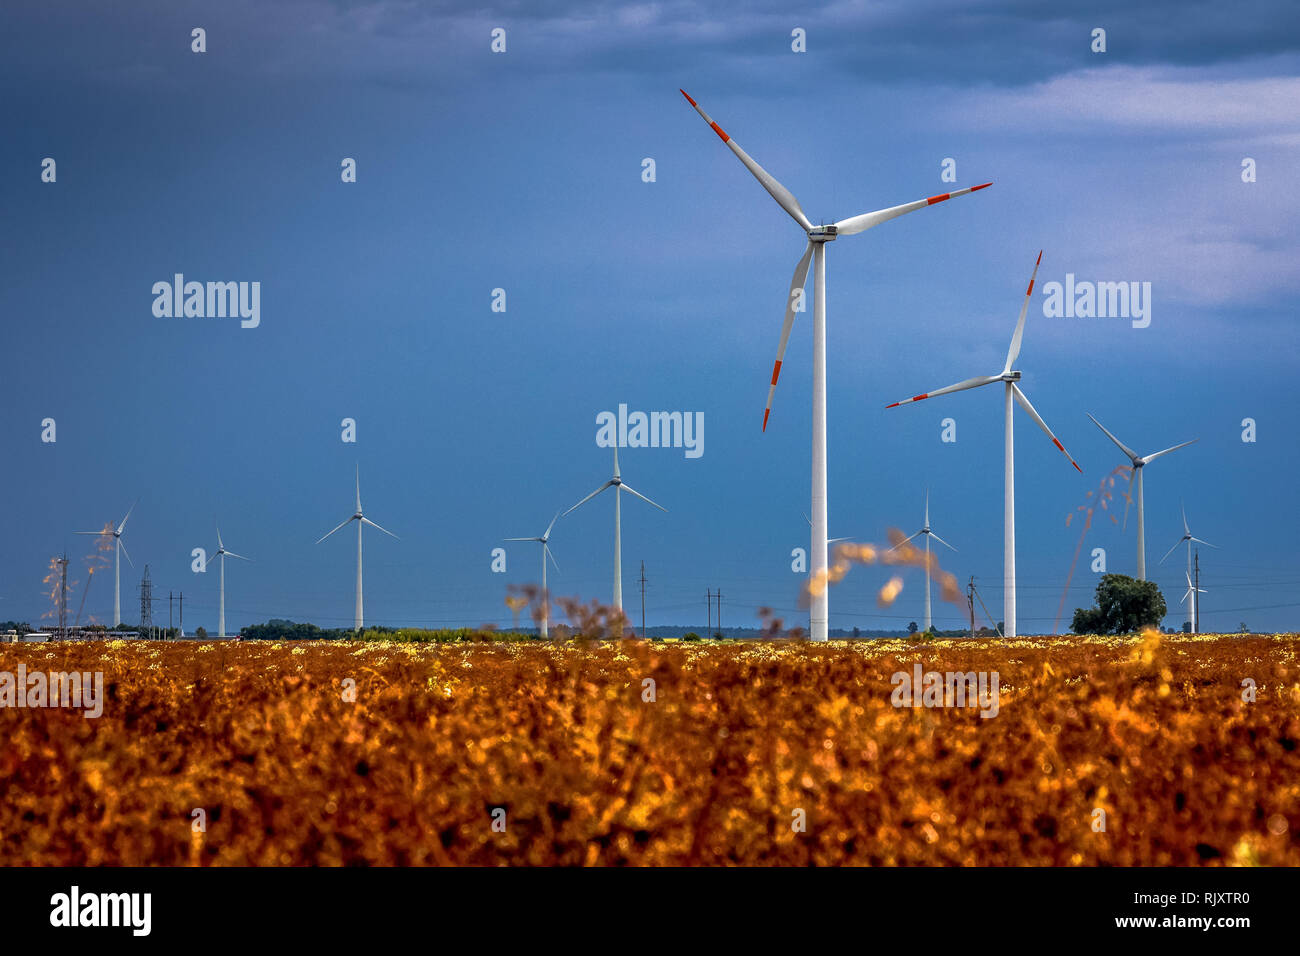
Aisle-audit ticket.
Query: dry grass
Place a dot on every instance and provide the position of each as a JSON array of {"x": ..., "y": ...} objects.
[{"x": 1153, "y": 731}]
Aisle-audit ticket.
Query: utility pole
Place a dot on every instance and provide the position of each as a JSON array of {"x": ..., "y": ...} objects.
[
  {"x": 970, "y": 603},
  {"x": 642, "y": 583},
  {"x": 1196, "y": 597},
  {"x": 169, "y": 613},
  {"x": 181, "y": 604},
  {"x": 719, "y": 610},
  {"x": 708, "y": 596}
]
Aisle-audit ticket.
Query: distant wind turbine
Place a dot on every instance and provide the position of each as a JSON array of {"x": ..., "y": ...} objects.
[
  {"x": 619, "y": 487},
  {"x": 222, "y": 554},
  {"x": 1012, "y": 391},
  {"x": 546, "y": 553},
  {"x": 1188, "y": 538},
  {"x": 1139, "y": 462},
  {"x": 928, "y": 534},
  {"x": 119, "y": 549},
  {"x": 818, "y": 236},
  {"x": 360, "y": 519}
]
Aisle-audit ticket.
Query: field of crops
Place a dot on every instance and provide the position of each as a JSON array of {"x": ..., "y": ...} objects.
[{"x": 657, "y": 753}]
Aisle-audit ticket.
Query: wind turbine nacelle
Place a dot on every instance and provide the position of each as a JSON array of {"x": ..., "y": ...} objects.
[
  {"x": 1011, "y": 376},
  {"x": 822, "y": 233}
]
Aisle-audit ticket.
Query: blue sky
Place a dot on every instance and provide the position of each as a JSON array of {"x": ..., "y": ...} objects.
[{"x": 522, "y": 171}]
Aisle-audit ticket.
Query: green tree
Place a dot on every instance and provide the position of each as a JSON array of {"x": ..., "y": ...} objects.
[
  {"x": 200, "y": 633},
  {"x": 911, "y": 627},
  {"x": 1124, "y": 605}
]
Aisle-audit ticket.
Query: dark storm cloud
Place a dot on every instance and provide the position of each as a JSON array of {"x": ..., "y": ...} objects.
[{"x": 942, "y": 42}]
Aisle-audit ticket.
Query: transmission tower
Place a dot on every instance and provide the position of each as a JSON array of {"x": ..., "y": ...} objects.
[
  {"x": 146, "y": 603},
  {"x": 63, "y": 598}
]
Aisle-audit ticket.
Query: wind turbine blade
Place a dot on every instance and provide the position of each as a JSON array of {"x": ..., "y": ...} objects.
[
  {"x": 378, "y": 528},
  {"x": 336, "y": 529},
  {"x": 547, "y": 535},
  {"x": 125, "y": 553},
  {"x": 628, "y": 488},
  {"x": 959, "y": 387},
  {"x": 96, "y": 533},
  {"x": 590, "y": 496},
  {"x": 904, "y": 541},
  {"x": 941, "y": 541},
  {"x": 523, "y": 539},
  {"x": 1183, "y": 508},
  {"x": 798, "y": 281},
  {"x": 1018, "y": 336},
  {"x": 358, "y": 488},
  {"x": 833, "y": 540},
  {"x": 232, "y": 554},
  {"x": 1132, "y": 455},
  {"x": 220, "y": 546},
  {"x": 1024, "y": 403},
  {"x": 547, "y": 549},
  {"x": 128, "y": 515},
  {"x": 617, "y": 473},
  {"x": 1171, "y": 550},
  {"x": 856, "y": 224},
  {"x": 927, "y": 507},
  {"x": 1204, "y": 542},
  {"x": 778, "y": 192},
  {"x": 1150, "y": 458}
]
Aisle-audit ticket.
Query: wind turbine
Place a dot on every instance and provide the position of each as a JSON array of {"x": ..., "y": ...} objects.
[
  {"x": 119, "y": 549},
  {"x": 1188, "y": 537},
  {"x": 619, "y": 487},
  {"x": 360, "y": 519},
  {"x": 222, "y": 553},
  {"x": 1139, "y": 463},
  {"x": 1011, "y": 390},
  {"x": 546, "y": 553},
  {"x": 818, "y": 236},
  {"x": 925, "y": 530}
]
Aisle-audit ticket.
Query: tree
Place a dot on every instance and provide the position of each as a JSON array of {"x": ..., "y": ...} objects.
[
  {"x": 200, "y": 633},
  {"x": 911, "y": 627},
  {"x": 1124, "y": 605}
]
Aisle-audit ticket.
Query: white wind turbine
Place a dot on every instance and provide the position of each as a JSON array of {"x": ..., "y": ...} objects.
[
  {"x": 1011, "y": 390},
  {"x": 119, "y": 549},
  {"x": 818, "y": 236},
  {"x": 546, "y": 553},
  {"x": 925, "y": 530},
  {"x": 1139, "y": 462},
  {"x": 222, "y": 554},
  {"x": 619, "y": 487},
  {"x": 360, "y": 519},
  {"x": 1192, "y": 590}
]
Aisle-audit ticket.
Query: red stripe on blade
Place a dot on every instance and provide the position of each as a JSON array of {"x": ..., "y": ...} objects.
[
  {"x": 776, "y": 372},
  {"x": 934, "y": 199},
  {"x": 1030, "y": 290},
  {"x": 687, "y": 95},
  {"x": 976, "y": 189},
  {"x": 1057, "y": 443},
  {"x": 1040, "y": 258},
  {"x": 766, "y": 412},
  {"x": 917, "y": 398},
  {"x": 894, "y": 405},
  {"x": 718, "y": 129}
]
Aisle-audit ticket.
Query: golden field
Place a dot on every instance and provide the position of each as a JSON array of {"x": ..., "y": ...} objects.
[{"x": 740, "y": 736}]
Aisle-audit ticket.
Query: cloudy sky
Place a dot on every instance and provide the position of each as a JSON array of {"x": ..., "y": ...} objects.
[{"x": 522, "y": 171}]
